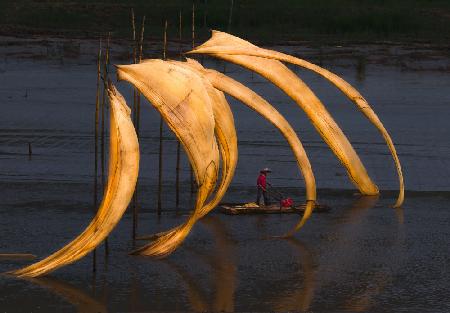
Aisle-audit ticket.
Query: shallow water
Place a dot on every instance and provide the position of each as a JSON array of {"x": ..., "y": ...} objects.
[
  {"x": 362, "y": 256},
  {"x": 50, "y": 104}
]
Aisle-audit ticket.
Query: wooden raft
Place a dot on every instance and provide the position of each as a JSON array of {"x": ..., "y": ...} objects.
[{"x": 241, "y": 208}]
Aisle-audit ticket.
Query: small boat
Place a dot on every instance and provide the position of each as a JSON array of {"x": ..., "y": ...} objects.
[{"x": 253, "y": 208}]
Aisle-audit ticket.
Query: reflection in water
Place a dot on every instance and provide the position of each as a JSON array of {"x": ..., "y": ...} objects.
[
  {"x": 359, "y": 209},
  {"x": 400, "y": 216},
  {"x": 300, "y": 300},
  {"x": 136, "y": 291},
  {"x": 221, "y": 261},
  {"x": 373, "y": 283},
  {"x": 341, "y": 269},
  {"x": 84, "y": 302},
  {"x": 364, "y": 300},
  {"x": 196, "y": 297},
  {"x": 361, "y": 68},
  {"x": 341, "y": 253}
]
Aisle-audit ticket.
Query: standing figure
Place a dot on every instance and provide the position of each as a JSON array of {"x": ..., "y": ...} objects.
[{"x": 262, "y": 183}]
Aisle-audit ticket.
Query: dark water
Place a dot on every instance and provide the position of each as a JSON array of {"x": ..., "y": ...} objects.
[{"x": 362, "y": 256}]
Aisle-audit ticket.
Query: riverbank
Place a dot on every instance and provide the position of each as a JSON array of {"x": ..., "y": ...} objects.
[{"x": 337, "y": 21}]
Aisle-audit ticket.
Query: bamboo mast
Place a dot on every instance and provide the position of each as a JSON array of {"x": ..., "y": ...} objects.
[
  {"x": 193, "y": 46},
  {"x": 205, "y": 14},
  {"x": 137, "y": 57},
  {"x": 161, "y": 134},
  {"x": 133, "y": 28},
  {"x": 96, "y": 122},
  {"x": 230, "y": 16},
  {"x": 138, "y": 112},
  {"x": 104, "y": 108},
  {"x": 177, "y": 175}
]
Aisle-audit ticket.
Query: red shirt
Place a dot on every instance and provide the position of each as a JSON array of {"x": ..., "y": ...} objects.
[{"x": 261, "y": 181}]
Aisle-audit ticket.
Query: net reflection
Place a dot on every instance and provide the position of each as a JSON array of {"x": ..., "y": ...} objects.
[
  {"x": 353, "y": 272},
  {"x": 358, "y": 209},
  {"x": 79, "y": 298},
  {"x": 300, "y": 299},
  {"x": 221, "y": 261},
  {"x": 349, "y": 266},
  {"x": 197, "y": 299},
  {"x": 366, "y": 299}
]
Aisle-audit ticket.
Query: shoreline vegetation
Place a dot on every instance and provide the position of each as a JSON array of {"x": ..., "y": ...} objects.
[{"x": 323, "y": 21}]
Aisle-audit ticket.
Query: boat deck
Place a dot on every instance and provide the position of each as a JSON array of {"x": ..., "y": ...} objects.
[{"x": 242, "y": 208}]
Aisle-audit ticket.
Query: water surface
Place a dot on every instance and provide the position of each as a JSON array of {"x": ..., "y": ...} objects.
[{"x": 362, "y": 256}]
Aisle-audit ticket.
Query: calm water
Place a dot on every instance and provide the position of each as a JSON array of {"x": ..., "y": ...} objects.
[{"x": 361, "y": 256}]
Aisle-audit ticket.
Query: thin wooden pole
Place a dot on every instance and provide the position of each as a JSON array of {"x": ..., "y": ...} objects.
[
  {"x": 97, "y": 105},
  {"x": 133, "y": 24},
  {"x": 138, "y": 109},
  {"x": 177, "y": 176},
  {"x": 230, "y": 16},
  {"x": 205, "y": 15},
  {"x": 179, "y": 35},
  {"x": 102, "y": 139},
  {"x": 104, "y": 108},
  {"x": 161, "y": 135},
  {"x": 160, "y": 166},
  {"x": 135, "y": 209},
  {"x": 165, "y": 41},
  {"x": 193, "y": 24},
  {"x": 193, "y": 45},
  {"x": 137, "y": 121}
]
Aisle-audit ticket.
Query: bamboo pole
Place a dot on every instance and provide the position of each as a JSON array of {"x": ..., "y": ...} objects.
[
  {"x": 104, "y": 108},
  {"x": 133, "y": 25},
  {"x": 230, "y": 16},
  {"x": 160, "y": 166},
  {"x": 102, "y": 139},
  {"x": 161, "y": 135},
  {"x": 138, "y": 109},
  {"x": 134, "y": 116},
  {"x": 177, "y": 176},
  {"x": 97, "y": 106},
  {"x": 137, "y": 121},
  {"x": 193, "y": 24},
  {"x": 165, "y": 41},
  {"x": 193, "y": 46},
  {"x": 205, "y": 15},
  {"x": 179, "y": 36}
]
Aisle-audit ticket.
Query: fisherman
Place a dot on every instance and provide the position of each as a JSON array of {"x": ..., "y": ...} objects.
[{"x": 261, "y": 183}]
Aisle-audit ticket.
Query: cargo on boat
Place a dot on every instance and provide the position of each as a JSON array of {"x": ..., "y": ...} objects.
[{"x": 276, "y": 208}]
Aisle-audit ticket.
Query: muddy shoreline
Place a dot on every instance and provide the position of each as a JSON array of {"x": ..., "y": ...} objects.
[{"x": 406, "y": 56}]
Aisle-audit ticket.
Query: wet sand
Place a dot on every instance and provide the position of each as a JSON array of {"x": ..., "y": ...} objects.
[{"x": 362, "y": 256}]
